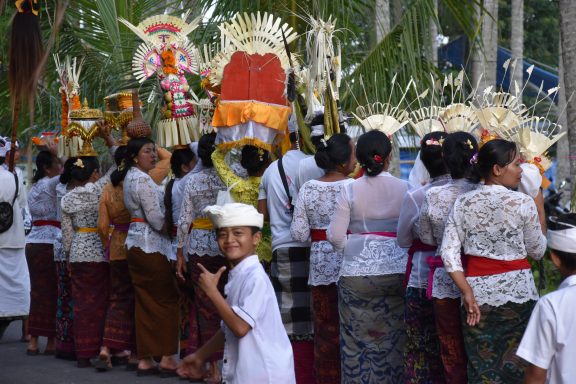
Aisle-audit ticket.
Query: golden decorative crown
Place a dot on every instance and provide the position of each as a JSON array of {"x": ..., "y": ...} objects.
[{"x": 86, "y": 113}]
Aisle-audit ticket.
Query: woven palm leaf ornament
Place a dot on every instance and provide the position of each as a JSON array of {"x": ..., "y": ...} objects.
[
  {"x": 167, "y": 53},
  {"x": 251, "y": 73},
  {"x": 69, "y": 70}
]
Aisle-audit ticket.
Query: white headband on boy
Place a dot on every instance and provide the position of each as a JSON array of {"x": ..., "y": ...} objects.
[
  {"x": 563, "y": 240},
  {"x": 234, "y": 215}
]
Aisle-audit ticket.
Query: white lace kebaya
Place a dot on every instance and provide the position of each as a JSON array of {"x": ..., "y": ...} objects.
[
  {"x": 314, "y": 210},
  {"x": 433, "y": 216},
  {"x": 369, "y": 207},
  {"x": 201, "y": 190},
  {"x": 80, "y": 210},
  {"x": 409, "y": 230},
  {"x": 144, "y": 199},
  {"x": 42, "y": 200},
  {"x": 496, "y": 223}
]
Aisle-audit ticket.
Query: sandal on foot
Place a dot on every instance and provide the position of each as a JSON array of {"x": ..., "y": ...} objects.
[
  {"x": 167, "y": 372},
  {"x": 32, "y": 352},
  {"x": 102, "y": 363},
  {"x": 147, "y": 372}
]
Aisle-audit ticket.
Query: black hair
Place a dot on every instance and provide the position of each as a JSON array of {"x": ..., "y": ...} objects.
[
  {"x": 431, "y": 154},
  {"x": 179, "y": 158},
  {"x": 132, "y": 148},
  {"x": 2, "y": 160},
  {"x": 565, "y": 221},
  {"x": 81, "y": 173},
  {"x": 44, "y": 160},
  {"x": 370, "y": 145},
  {"x": 254, "y": 159},
  {"x": 495, "y": 152},
  {"x": 206, "y": 145},
  {"x": 119, "y": 155},
  {"x": 293, "y": 137},
  {"x": 336, "y": 150},
  {"x": 65, "y": 176},
  {"x": 458, "y": 149},
  {"x": 253, "y": 229}
]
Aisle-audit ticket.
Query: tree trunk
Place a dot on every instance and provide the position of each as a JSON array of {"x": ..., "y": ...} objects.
[
  {"x": 568, "y": 42},
  {"x": 517, "y": 42},
  {"x": 562, "y": 165},
  {"x": 434, "y": 36},
  {"x": 382, "y": 19},
  {"x": 484, "y": 62}
]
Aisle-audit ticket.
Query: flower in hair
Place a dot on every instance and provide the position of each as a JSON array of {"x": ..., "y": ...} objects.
[
  {"x": 378, "y": 159},
  {"x": 79, "y": 163},
  {"x": 260, "y": 154},
  {"x": 469, "y": 144},
  {"x": 433, "y": 142},
  {"x": 474, "y": 159},
  {"x": 122, "y": 165},
  {"x": 324, "y": 143}
]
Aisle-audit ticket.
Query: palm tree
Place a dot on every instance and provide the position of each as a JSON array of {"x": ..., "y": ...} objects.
[
  {"x": 484, "y": 57},
  {"x": 90, "y": 30}
]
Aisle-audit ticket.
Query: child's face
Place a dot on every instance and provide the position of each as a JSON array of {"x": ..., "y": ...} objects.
[{"x": 237, "y": 243}]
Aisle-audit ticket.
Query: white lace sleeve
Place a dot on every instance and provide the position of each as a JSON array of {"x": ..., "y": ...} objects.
[
  {"x": 426, "y": 231},
  {"x": 148, "y": 196},
  {"x": 67, "y": 232},
  {"x": 408, "y": 216},
  {"x": 338, "y": 227},
  {"x": 534, "y": 240},
  {"x": 300, "y": 227},
  {"x": 452, "y": 242},
  {"x": 186, "y": 216}
]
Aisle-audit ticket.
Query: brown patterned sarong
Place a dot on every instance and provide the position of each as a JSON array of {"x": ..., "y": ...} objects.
[
  {"x": 206, "y": 320},
  {"x": 326, "y": 333},
  {"x": 156, "y": 300},
  {"x": 449, "y": 328},
  {"x": 119, "y": 332},
  {"x": 492, "y": 343},
  {"x": 44, "y": 290},
  {"x": 90, "y": 288},
  {"x": 64, "y": 313}
]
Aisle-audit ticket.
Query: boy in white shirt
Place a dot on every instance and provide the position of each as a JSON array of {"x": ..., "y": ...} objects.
[
  {"x": 549, "y": 342},
  {"x": 256, "y": 346}
]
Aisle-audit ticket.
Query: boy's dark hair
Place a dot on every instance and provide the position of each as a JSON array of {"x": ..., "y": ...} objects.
[
  {"x": 431, "y": 154},
  {"x": 565, "y": 221},
  {"x": 254, "y": 230}
]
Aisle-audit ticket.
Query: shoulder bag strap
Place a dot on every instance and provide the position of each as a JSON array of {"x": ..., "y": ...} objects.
[
  {"x": 284, "y": 182},
  {"x": 17, "y": 185}
]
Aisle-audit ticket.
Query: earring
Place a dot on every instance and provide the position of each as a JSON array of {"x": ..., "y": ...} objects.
[{"x": 135, "y": 161}]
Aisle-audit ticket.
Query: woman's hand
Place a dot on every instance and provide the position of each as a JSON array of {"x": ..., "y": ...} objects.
[
  {"x": 181, "y": 268},
  {"x": 472, "y": 308}
]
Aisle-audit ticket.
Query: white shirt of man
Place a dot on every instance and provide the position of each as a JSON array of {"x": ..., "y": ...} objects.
[
  {"x": 549, "y": 341},
  {"x": 264, "y": 354},
  {"x": 272, "y": 190}
]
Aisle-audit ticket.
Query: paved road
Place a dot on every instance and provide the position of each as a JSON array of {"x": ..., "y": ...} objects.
[{"x": 18, "y": 368}]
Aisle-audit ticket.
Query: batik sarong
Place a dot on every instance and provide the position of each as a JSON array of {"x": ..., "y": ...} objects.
[
  {"x": 156, "y": 304},
  {"x": 206, "y": 317},
  {"x": 64, "y": 313},
  {"x": 90, "y": 289},
  {"x": 423, "y": 364},
  {"x": 119, "y": 331},
  {"x": 449, "y": 329},
  {"x": 491, "y": 344},
  {"x": 44, "y": 290},
  {"x": 326, "y": 334},
  {"x": 372, "y": 329}
]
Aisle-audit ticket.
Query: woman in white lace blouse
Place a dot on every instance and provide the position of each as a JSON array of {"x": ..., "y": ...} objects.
[
  {"x": 312, "y": 214},
  {"x": 40, "y": 250},
  {"x": 423, "y": 363},
  {"x": 197, "y": 237},
  {"x": 88, "y": 265},
  {"x": 498, "y": 229},
  {"x": 370, "y": 293},
  {"x": 457, "y": 151}
]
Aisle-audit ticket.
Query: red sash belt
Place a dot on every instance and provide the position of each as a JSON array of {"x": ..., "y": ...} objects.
[
  {"x": 137, "y": 220},
  {"x": 417, "y": 246},
  {"x": 42, "y": 223},
  {"x": 318, "y": 235},
  {"x": 387, "y": 234},
  {"x": 434, "y": 262},
  {"x": 483, "y": 266}
]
